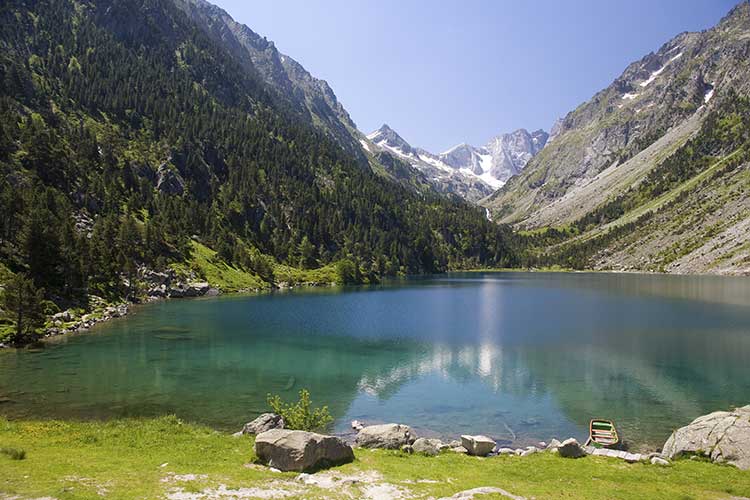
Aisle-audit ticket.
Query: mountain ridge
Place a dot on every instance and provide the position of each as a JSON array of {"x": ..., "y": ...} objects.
[{"x": 483, "y": 169}]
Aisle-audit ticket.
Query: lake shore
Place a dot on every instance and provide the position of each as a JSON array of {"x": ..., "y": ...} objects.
[{"x": 168, "y": 458}]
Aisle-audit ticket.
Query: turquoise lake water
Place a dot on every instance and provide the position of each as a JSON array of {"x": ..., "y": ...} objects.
[{"x": 517, "y": 356}]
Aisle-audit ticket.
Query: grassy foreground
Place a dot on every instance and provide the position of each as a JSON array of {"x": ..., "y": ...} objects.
[{"x": 165, "y": 458}]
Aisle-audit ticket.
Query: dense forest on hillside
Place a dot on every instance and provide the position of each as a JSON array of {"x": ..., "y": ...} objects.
[{"x": 126, "y": 134}]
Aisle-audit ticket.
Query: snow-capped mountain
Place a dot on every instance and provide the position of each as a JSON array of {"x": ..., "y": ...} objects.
[{"x": 485, "y": 168}]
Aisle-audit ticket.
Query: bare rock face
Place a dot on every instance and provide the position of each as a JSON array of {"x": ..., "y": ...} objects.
[
  {"x": 169, "y": 180},
  {"x": 300, "y": 451},
  {"x": 480, "y": 446},
  {"x": 263, "y": 423},
  {"x": 723, "y": 436},
  {"x": 390, "y": 436}
]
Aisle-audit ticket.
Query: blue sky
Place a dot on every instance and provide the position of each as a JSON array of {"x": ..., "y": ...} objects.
[{"x": 445, "y": 72}]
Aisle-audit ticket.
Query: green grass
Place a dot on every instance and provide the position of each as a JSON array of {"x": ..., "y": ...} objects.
[
  {"x": 296, "y": 276},
  {"x": 140, "y": 458},
  {"x": 218, "y": 273}
]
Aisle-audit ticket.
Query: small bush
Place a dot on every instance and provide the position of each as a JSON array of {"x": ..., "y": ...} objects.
[
  {"x": 13, "y": 453},
  {"x": 300, "y": 415}
]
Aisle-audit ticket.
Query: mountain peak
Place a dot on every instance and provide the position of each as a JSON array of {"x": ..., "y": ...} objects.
[{"x": 385, "y": 136}]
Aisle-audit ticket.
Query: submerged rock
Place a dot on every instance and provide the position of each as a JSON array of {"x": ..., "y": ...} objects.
[
  {"x": 480, "y": 446},
  {"x": 263, "y": 423},
  {"x": 390, "y": 436},
  {"x": 722, "y": 436},
  {"x": 301, "y": 451}
]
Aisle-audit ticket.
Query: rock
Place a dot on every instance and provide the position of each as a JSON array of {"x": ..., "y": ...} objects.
[
  {"x": 458, "y": 449},
  {"x": 480, "y": 446},
  {"x": 553, "y": 445},
  {"x": 506, "y": 451},
  {"x": 158, "y": 291},
  {"x": 63, "y": 316},
  {"x": 263, "y": 423},
  {"x": 571, "y": 449},
  {"x": 300, "y": 451},
  {"x": 169, "y": 180},
  {"x": 195, "y": 289},
  {"x": 407, "y": 448},
  {"x": 659, "y": 461},
  {"x": 357, "y": 425},
  {"x": 632, "y": 458},
  {"x": 427, "y": 446},
  {"x": 454, "y": 444},
  {"x": 723, "y": 436},
  {"x": 285, "y": 449},
  {"x": 391, "y": 436},
  {"x": 529, "y": 451}
]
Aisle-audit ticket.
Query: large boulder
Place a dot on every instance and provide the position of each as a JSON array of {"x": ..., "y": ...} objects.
[
  {"x": 300, "y": 451},
  {"x": 391, "y": 436},
  {"x": 570, "y": 448},
  {"x": 263, "y": 423},
  {"x": 723, "y": 436},
  {"x": 480, "y": 446}
]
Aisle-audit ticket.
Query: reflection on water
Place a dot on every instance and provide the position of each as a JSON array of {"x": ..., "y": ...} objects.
[{"x": 516, "y": 356}]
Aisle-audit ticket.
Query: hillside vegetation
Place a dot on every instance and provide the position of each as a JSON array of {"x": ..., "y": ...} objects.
[{"x": 128, "y": 133}]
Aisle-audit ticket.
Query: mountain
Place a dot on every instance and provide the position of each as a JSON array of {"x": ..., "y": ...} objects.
[
  {"x": 145, "y": 138},
  {"x": 651, "y": 173},
  {"x": 470, "y": 172},
  {"x": 313, "y": 99}
]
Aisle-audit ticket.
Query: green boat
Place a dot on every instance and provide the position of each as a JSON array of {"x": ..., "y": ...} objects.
[{"x": 603, "y": 434}]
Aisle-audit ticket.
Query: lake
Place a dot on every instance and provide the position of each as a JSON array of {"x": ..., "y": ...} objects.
[{"x": 517, "y": 356}]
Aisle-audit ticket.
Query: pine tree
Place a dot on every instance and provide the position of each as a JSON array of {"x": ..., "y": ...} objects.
[{"x": 24, "y": 303}]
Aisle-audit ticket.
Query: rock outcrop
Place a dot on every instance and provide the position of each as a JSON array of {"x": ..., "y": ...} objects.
[
  {"x": 169, "y": 180},
  {"x": 722, "y": 436},
  {"x": 289, "y": 450},
  {"x": 390, "y": 436}
]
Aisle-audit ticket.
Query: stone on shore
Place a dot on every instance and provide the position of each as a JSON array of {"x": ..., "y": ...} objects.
[
  {"x": 389, "y": 436},
  {"x": 301, "y": 451},
  {"x": 553, "y": 446},
  {"x": 263, "y": 423},
  {"x": 570, "y": 448},
  {"x": 427, "y": 446},
  {"x": 480, "y": 446},
  {"x": 722, "y": 436},
  {"x": 659, "y": 461}
]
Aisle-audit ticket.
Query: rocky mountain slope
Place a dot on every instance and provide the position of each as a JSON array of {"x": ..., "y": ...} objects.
[
  {"x": 645, "y": 154},
  {"x": 470, "y": 172},
  {"x": 652, "y": 97},
  {"x": 312, "y": 99}
]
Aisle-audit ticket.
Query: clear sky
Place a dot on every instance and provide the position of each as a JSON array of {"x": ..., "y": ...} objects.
[{"x": 441, "y": 72}]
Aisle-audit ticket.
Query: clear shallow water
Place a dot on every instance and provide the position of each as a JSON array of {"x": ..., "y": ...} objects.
[{"x": 514, "y": 355}]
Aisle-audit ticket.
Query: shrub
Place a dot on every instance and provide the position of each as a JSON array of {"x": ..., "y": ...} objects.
[{"x": 300, "y": 415}]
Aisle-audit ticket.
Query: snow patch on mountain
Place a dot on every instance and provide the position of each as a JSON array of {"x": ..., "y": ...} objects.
[{"x": 493, "y": 164}]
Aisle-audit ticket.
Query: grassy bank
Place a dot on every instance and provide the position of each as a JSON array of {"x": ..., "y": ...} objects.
[{"x": 157, "y": 458}]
